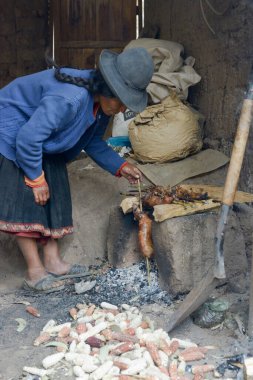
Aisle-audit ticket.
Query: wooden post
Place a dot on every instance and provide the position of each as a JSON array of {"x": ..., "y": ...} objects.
[{"x": 250, "y": 321}]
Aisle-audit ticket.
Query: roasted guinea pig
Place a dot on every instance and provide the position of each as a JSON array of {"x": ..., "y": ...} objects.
[
  {"x": 189, "y": 195},
  {"x": 145, "y": 233},
  {"x": 157, "y": 195}
]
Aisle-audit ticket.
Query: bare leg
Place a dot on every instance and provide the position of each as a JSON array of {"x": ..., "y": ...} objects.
[
  {"x": 52, "y": 258},
  {"x": 29, "y": 249}
]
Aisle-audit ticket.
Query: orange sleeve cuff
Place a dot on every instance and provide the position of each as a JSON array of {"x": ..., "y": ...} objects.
[
  {"x": 118, "y": 174},
  {"x": 38, "y": 182}
]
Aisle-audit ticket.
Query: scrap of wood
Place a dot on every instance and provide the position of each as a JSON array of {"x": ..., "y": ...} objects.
[
  {"x": 216, "y": 192},
  {"x": 127, "y": 204},
  {"x": 248, "y": 368},
  {"x": 163, "y": 212}
]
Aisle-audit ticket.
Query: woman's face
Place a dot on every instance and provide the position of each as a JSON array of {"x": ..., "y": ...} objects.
[{"x": 111, "y": 106}]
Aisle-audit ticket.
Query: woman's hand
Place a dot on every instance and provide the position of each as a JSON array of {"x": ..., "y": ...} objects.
[
  {"x": 131, "y": 173},
  {"x": 41, "y": 194}
]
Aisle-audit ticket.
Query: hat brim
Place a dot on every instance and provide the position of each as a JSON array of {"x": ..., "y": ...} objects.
[{"x": 135, "y": 100}]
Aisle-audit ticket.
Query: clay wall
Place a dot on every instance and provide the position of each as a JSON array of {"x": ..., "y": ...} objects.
[{"x": 223, "y": 60}]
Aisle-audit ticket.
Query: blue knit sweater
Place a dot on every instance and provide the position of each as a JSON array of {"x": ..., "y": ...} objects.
[{"x": 39, "y": 114}]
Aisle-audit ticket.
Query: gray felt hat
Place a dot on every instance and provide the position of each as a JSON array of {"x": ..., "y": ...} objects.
[{"x": 128, "y": 74}]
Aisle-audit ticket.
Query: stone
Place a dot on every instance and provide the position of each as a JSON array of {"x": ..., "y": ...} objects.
[
  {"x": 185, "y": 250},
  {"x": 238, "y": 283},
  {"x": 94, "y": 192},
  {"x": 245, "y": 217},
  {"x": 122, "y": 239}
]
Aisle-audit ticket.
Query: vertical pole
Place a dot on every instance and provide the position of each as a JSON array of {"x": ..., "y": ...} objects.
[{"x": 250, "y": 321}]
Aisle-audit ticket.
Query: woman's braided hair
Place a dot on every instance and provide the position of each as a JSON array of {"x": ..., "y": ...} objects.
[{"x": 95, "y": 84}]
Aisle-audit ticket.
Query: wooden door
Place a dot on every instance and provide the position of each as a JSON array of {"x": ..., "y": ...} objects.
[{"x": 82, "y": 28}]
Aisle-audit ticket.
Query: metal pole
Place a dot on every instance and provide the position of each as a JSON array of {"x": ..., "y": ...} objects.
[{"x": 250, "y": 321}]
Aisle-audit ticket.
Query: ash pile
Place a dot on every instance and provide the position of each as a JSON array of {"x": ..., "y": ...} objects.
[{"x": 130, "y": 285}]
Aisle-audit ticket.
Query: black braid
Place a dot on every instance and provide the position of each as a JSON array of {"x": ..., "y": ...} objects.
[
  {"x": 95, "y": 84},
  {"x": 78, "y": 81}
]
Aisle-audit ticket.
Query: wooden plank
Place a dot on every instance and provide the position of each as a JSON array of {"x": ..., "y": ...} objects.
[
  {"x": 216, "y": 192},
  {"x": 109, "y": 18},
  {"x": 163, "y": 212},
  {"x": 127, "y": 204},
  {"x": 77, "y": 19},
  {"x": 81, "y": 58},
  {"x": 250, "y": 317},
  {"x": 248, "y": 368},
  {"x": 55, "y": 20},
  {"x": 92, "y": 44},
  {"x": 168, "y": 211},
  {"x": 116, "y": 20},
  {"x": 50, "y": 26},
  {"x": 91, "y": 25},
  {"x": 129, "y": 20}
]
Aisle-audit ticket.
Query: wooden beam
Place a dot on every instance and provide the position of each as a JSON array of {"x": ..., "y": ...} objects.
[{"x": 92, "y": 44}]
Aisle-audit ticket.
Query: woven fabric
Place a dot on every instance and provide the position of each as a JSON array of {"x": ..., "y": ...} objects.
[{"x": 18, "y": 211}]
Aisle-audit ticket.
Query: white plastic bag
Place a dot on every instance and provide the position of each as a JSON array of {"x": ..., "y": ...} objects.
[{"x": 120, "y": 123}]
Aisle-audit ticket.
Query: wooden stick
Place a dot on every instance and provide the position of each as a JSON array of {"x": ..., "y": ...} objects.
[
  {"x": 148, "y": 269},
  {"x": 139, "y": 188},
  {"x": 250, "y": 320},
  {"x": 147, "y": 260}
]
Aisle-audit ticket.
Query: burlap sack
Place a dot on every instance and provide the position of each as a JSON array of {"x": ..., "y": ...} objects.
[
  {"x": 171, "y": 70},
  {"x": 164, "y": 132}
]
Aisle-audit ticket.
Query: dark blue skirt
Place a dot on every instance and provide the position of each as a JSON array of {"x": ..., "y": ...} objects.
[{"x": 18, "y": 211}]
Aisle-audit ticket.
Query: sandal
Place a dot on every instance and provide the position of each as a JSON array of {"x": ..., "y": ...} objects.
[
  {"x": 75, "y": 271},
  {"x": 47, "y": 284}
]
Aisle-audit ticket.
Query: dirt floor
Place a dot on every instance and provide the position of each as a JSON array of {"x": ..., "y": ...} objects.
[
  {"x": 17, "y": 350},
  {"x": 117, "y": 286}
]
